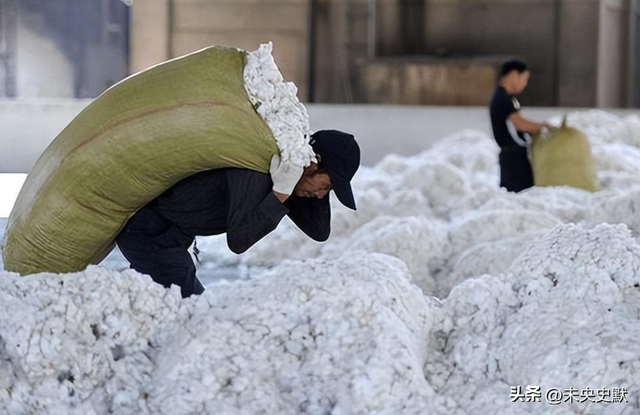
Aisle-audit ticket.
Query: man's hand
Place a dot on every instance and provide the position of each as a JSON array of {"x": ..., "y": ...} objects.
[{"x": 285, "y": 176}]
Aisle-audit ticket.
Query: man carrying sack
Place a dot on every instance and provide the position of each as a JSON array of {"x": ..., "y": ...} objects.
[
  {"x": 510, "y": 128},
  {"x": 245, "y": 204}
]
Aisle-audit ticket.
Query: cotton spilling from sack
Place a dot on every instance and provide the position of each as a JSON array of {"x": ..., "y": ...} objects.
[{"x": 277, "y": 103}]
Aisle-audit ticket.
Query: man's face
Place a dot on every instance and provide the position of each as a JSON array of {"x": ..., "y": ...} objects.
[
  {"x": 521, "y": 80},
  {"x": 313, "y": 183}
]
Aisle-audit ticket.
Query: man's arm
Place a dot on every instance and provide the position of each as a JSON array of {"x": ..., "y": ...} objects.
[
  {"x": 311, "y": 215},
  {"x": 525, "y": 125},
  {"x": 253, "y": 210}
]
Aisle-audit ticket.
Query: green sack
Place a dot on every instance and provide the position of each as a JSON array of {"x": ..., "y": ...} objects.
[
  {"x": 127, "y": 147},
  {"x": 563, "y": 158}
]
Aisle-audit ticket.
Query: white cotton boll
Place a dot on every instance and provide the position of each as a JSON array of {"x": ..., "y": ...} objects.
[
  {"x": 617, "y": 207},
  {"x": 526, "y": 299},
  {"x": 369, "y": 178},
  {"x": 472, "y": 201},
  {"x": 628, "y": 131},
  {"x": 441, "y": 183},
  {"x": 393, "y": 164},
  {"x": 616, "y": 157},
  {"x": 421, "y": 243},
  {"x": 279, "y": 105},
  {"x": 597, "y": 125},
  {"x": 79, "y": 346},
  {"x": 374, "y": 203},
  {"x": 289, "y": 90},
  {"x": 300, "y": 111},
  {"x": 562, "y": 315},
  {"x": 347, "y": 224},
  {"x": 474, "y": 312},
  {"x": 286, "y": 242},
  {"x": 361, "y": 327},
  {"x": 494, "y": 225},
  {"x": 471, "y": 151},
  {"x": 590, "y": 273},
  {"x": 565, "y": 203},
  {"x": 619, "y": 181},
  {"x": 268, "y": 95},
  {"x": 493, "y": 258}
]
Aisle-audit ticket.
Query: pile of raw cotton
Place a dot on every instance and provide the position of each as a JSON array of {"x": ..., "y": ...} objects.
[{"x": 442, "y": 294}]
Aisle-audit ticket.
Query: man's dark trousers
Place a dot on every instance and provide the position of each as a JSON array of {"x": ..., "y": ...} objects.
[
  {"x": 516, "y": 173},
  {"x": 156, "y": 247}
]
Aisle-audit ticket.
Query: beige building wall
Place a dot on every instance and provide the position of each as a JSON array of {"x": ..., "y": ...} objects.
[
  {"x": 163, "y": 29},
  {"x": 577, "y": 66},
  {"x": 149, "y": 33},
  {"x": 634, "y": 53},
  {"x": 526, "y": 29},
  {"x": 579, "y": 51},
  {"x": 426, "y": 81},
  {"x": 614, "y": 57}
]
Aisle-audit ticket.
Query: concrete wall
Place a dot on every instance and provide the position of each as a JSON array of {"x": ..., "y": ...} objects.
[
  {"x": 149, "y": 33},
  {"x": 556, "y": 37},
  {"x": 564, "y": 41},
  {"x": 617, "y": 70},
  {"x": 524, "y": 28},
  {"x": 634, "y": 52},
  {"x": 171, "y": 28},
  {"x": 613, "y": 58},
  {"x": 426, "y": 80},
  {"x": 380, "y": 129},
  {"x": 341, "y": 37},
  {"x": 577, "y": 53},
  {"x": 559, "y": 39}
]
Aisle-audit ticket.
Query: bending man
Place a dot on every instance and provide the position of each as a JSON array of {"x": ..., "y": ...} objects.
[{"x": 244, "y": 204}]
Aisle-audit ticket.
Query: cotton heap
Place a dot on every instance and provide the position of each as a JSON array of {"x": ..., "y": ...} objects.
[
  {"x": 442, "y": 294},
  {"x": 295, "y": 340}
]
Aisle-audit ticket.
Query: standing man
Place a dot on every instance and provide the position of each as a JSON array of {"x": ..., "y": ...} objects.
[
  {"x": 244, "y": 204},
  {"x": 510, "y": 129}
]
